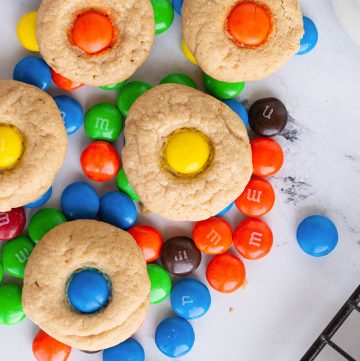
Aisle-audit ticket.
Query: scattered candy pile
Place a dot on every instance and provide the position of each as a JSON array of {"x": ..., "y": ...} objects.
[{"x": 180, "y": 256}]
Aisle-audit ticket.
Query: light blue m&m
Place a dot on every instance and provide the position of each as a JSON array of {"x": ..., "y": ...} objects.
[
  {"x": 177, "y": 5},
  {"x": 34, "y": 71},
  {"x": 238, "y": 108},
  {"x": 118, "y": 209},
  {"x": 129, "y": 350},
  {"x": 317, "y": 235},
  {"x": 310, "y": 38},
  {"x": 226, "y": 210},
  {"x": 88, "y": 291},
  {"x": 71, "y": 112},
  {"x": 79, "y": 200},
  {"x": 174, "y": 337},
  {"x": 41, "y": 200},
  {"x": 190, "y": 299}
]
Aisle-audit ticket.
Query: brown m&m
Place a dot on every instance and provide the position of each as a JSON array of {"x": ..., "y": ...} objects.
[
  {"x": 268, "y": 117},
  {"x": 180, "y": 256}
]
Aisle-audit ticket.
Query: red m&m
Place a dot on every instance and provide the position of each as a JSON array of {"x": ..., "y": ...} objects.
[
  {"x": 257, "y": 199},
  {"x": 100, "y": 161},
  {"x": 253, "y": 238},
  {"x": 11, "y": 223},
  {"x": 213, "y": 236},
  {"x": 64, "y": 83},
  {"x": 268, "y": 156}
]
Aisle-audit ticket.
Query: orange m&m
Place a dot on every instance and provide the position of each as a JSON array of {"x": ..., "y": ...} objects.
[
  {"x": 100, "y": 161},
  {"x": 225, "y": 273},
  {"x": 213, "y": 236},
  {"x": 92, "y": 32},
  {"x": 268, "y": 156},
  {"x": 64, "y": 83},
  {"x": 46, "y": 348},
  {"x": 253, "y": 238},
  {"x": 257, "y": 199},
  {"x": 250, "y": 24},
  {"x": 149, "y": 240}
]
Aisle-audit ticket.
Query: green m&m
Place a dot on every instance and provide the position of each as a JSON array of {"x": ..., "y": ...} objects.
[
  {"x": 164, "y": 15},
  {"x": 129, "y": 93},
  {"x": 123, "y": 184},
  {"x": 221, "y": 89},
  {"x": 179, "y": 79},
  {"x": 113, "y": 86},
  {"x": 103, "y": 122},
  {"x": 160, "y": 283},
  {"x": 1, "y": 272},
  {"x": 15, "y": 254},
  {"x": 11, "y": 311},
  {"x": 43, "y": 221}
]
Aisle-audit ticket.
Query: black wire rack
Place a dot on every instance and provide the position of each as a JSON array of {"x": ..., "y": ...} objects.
[{"x": 350, "y": 306}]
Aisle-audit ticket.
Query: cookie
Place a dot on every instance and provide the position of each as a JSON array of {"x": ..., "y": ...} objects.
[
  {"x": 75, "y": 246},
  {"x": 236, "y": 41},
  {"x": 33, "y": 143},
  {"x": 186, "y": 154},
  {"x": 95, "y": 42}
]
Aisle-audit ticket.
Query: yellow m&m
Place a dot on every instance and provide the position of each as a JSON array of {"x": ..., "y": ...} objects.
[
  {"x": 187, "y": 151},
  {"x": 188, "y": 54},
  {"x": 11, "y": 146},
  {"x": 26, "y": 31}
]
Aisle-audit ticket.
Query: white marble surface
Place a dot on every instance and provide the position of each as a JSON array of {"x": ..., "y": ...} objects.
[{"x": 290, "y": 296}]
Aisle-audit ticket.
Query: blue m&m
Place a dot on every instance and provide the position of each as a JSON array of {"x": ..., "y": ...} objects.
[
  {"x": 118, "y": 209},
  {"x": 41, "y": 200},
  {"x": 317, "y": 235},
  {"x": 88, "y": 291},
  {"x": 238, "y": 108},
  {"x": 34, "y": 71},
  {"x": 190, "y": 299},
  {"x": 226, "y": 210},
  {"x": 310, "y": 38},
  {"x": 71, "y": 112},
  {"x": 174, "y": 337},
  {"x": 129, "y": 350},
  {"x": 79, "y": 200},
  {"x": 177, "y": 5}
]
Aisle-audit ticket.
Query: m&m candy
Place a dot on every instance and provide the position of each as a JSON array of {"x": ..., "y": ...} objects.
[
  {"x": 80, "y": 200},
  {"x": 41, "y": 200},
  {"x": 225, "y": 273},
  {"x": 268, "y": 117},
  {"x": 177, "y": 5},
  {"x": 15, "y": 254},
  {"x": 213, "y": 235},
  {"x": 253, "y": 238},
  {"x": 164, "y": 15},
  {"x": 190, "y": 299},
  {"x": 123, "y": 184},
  {"x": 64, "y": 83},
  {"x": 310, "y": 38},
  {"x": 1, "y": 272},
  {"x": 88, "y": 291},
  {"x": 11, "y": 311},
  {"x": 34, "y": 71},
  {"x": 226, "y": 210},
  {"x": 238, "y": 108},
  {"x": 12, "y": 146},
  {"x": 118, "y": 209},
  {"x": 180, "y": 256},
  {"x": 317, "y": 235},
  {"x": 221, "y": 89},
  {"x": 179, "y": 79},
  {"x": 113, "y": 86},
  {"x": 188, "y": 54},
  {"x": 257, "y": 199},
  {"x": 71, "y": 112},
  {"x": 160, "y": 283},
  {"x": 149, "y": 240},
  {"x": 174, "y": 337},
  {"x": 43, "y": 221},
  {"x": 103, "y": 122},
  {"x": 129, "y": 93},
  {"x": 26, "y": 31},
  {"x": 100, "y": 161},
  {"x": 268, "y": 157},
  {"x": 129, "y": 350},
  {"x": 46, "y": 348},
  {"x": 11, "y": 223}
]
